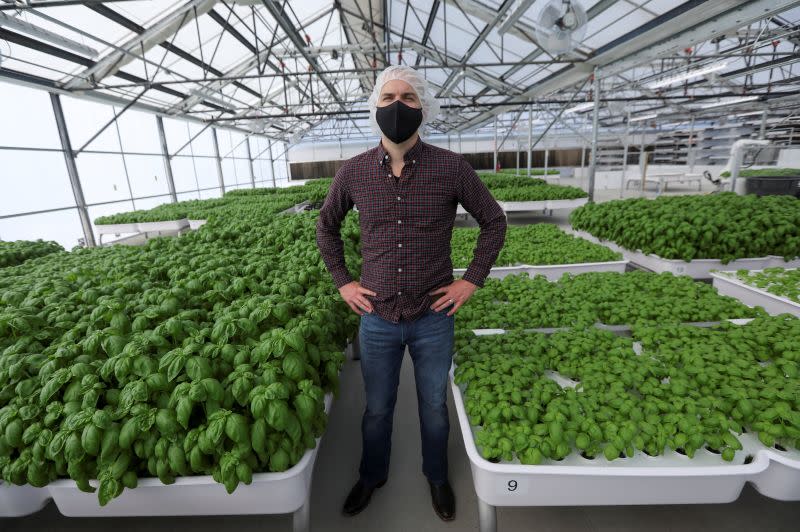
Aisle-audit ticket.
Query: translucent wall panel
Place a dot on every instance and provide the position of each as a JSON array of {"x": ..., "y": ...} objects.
[
  {"x": 203, "y": 144},
  {"x": 139, "y": 132},
  {"x": 147, "y": 175},
  {"x": 206, "y": 172},
  {"x": 102, "y": 177},
  {"x": 229, "y": 172},
  {"x": 84, "y": 119},
  {"x": 62, "y": 226},
  {"x": 31, "y": 113},
  {"x": 177, "y": 135},
  {"x": 183, "y": 174},
  {"x": 33, "y": 181}
]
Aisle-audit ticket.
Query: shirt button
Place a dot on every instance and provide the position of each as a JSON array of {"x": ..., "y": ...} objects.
[
  {"x": 399, "y": 293},
  {"x": 398, "y": 198},
  {"x": 414, "y": 161},
  {"x": 399, "y": 269},
  {"x": 399, "y": 221},
  {"x": 399, "y": 245}
]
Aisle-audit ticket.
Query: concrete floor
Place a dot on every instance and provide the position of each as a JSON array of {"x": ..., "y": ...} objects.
[{"x": 404, "y": 503}]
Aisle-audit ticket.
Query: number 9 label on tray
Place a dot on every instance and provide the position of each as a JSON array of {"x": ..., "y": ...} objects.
[{"x": 512, "y": 486}]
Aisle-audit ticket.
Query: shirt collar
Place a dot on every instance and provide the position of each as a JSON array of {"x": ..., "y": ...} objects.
[{"x": 412, "y": 155}]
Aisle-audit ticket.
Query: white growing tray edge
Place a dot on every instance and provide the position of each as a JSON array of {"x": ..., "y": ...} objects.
[
  {"x": 728, "y": 284},
  {"x": 269, "y": 493},
  {"x": 641, "y": 479},
  {"x": 697, "y": 268}
]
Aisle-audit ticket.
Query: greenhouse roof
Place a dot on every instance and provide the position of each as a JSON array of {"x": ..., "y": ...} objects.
[{"x": 301, "y": 70}]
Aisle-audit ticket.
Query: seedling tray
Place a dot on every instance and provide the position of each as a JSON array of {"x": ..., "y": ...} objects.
[
  {"x": 640, "y": 479},
  {"x": 269, "y": 493},
  {"x": 553, "y": 272},
  {"x": 167, "y": 225},
  {"x": 697, "y": 269},
  {"x": 728, "y": 285},
  {"x": 116, "y": 229},
  {"x": 17, "y": 501},
  {"x": 543, "y": 205}
]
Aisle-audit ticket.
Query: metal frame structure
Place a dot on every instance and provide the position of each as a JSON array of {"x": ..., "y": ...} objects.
[{"x": 295, "y": 74}]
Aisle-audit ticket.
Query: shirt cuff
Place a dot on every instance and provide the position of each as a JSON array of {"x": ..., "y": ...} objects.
[
  {"x": 341, "y": 277},
  {"x": 474, "y": 276}
]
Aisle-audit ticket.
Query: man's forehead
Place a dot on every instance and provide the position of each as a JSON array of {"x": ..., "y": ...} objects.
[{"x": 397, "y": 86}]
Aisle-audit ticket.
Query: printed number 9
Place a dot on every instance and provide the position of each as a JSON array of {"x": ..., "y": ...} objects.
[{"x": 512, "y": 485}]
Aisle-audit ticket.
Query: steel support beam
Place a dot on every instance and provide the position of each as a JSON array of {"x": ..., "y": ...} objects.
[
  {"x": 666, "y": 34},
  {"x": 279, "y": 15},
  {"x": 506, "y": 5},
  {"x": 595, "y": 130},
  {"x": 250, "y": 162},
  {"x": 272, "y": 164},
  {"x": 494, "y": 168},
  {"x": 139, "y": 44},
  {"x": 530, "y": 138},
  {"x": 72, "y": 170},
  {"x": 167, "y": 164},
  {"x": 46, "y": 35},
  {"x": 218, "y": 159}
]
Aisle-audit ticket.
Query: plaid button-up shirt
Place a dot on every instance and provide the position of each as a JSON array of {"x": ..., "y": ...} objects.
[{"x": 406, "y": 225}]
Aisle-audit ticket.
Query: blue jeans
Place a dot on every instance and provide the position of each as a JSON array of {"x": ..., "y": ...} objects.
[{"x": 382, "y": 344}]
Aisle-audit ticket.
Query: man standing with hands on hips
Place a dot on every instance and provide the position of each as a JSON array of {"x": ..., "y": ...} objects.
[{"x": 406, "y": 192}]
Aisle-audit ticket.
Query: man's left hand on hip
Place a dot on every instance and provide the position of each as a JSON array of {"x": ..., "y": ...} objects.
[{"x": 457, "y": 293}]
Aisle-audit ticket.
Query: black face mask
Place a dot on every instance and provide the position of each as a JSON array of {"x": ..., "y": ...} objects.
[{"x": 398, "y": 121}]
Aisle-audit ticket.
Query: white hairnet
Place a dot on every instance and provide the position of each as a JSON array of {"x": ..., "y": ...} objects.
[{"x": 430, "y": 106}]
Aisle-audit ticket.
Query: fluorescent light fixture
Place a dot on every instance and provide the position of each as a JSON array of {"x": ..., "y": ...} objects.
[
  {"x": 731, "y": 101},
  {"x": 687, "y": 75},
  {"x": 580, "y": 107},
  {"x": 642, "y": 117}
]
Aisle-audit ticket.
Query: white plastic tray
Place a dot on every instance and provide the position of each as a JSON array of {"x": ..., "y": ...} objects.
[
  {"x": 269, "y": 493},
  {"x": 524, "y": 206},
  {"x": 166, "y": 225},
  {"x": 194, "y": 225},
  {"x": 553, "y": 272},
  {"x": 728, "y": 285},
  {"x": 566, "y": 203},
  {"x": 16, "y": 501},
  {"x": 610, "y": 328},
  {"x": 543, "y": 205},
  {"x": 640, "y": 479},
  {"x": 697, "y": 269},
  {"x": 116, "y": 229}
]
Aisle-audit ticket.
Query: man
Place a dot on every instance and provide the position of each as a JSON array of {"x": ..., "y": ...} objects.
[{"x": 406, "y": 192}]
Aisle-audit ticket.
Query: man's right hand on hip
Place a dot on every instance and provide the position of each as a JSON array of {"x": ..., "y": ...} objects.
[{"x": 355, "y": 295}]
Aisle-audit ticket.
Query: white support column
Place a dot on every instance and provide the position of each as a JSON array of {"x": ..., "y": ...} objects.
[
  {"x": 546, "y": 160},
  {"x": 595, "y": 118},
  {"x": 167, "y": 164},
  {"x": 494, "y": 168},
  {"x": 762, "y": 131},
  {"x": 72, "y": 171},
  {"x": 530, "y": 138},
  {"x": 690, "y": 154},
  {"x": 517, "y": 156},
  {"x": 272, "y": 165},
  {"x": 625, "y": 155},
  {"x": 250, "y": 161},
  {"x": 219, "y": 161}
]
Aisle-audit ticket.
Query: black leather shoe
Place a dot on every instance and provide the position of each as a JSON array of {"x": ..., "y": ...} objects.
[
  {"x": 444, "y": 501},
  {"x": 359, "y": 497}
]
